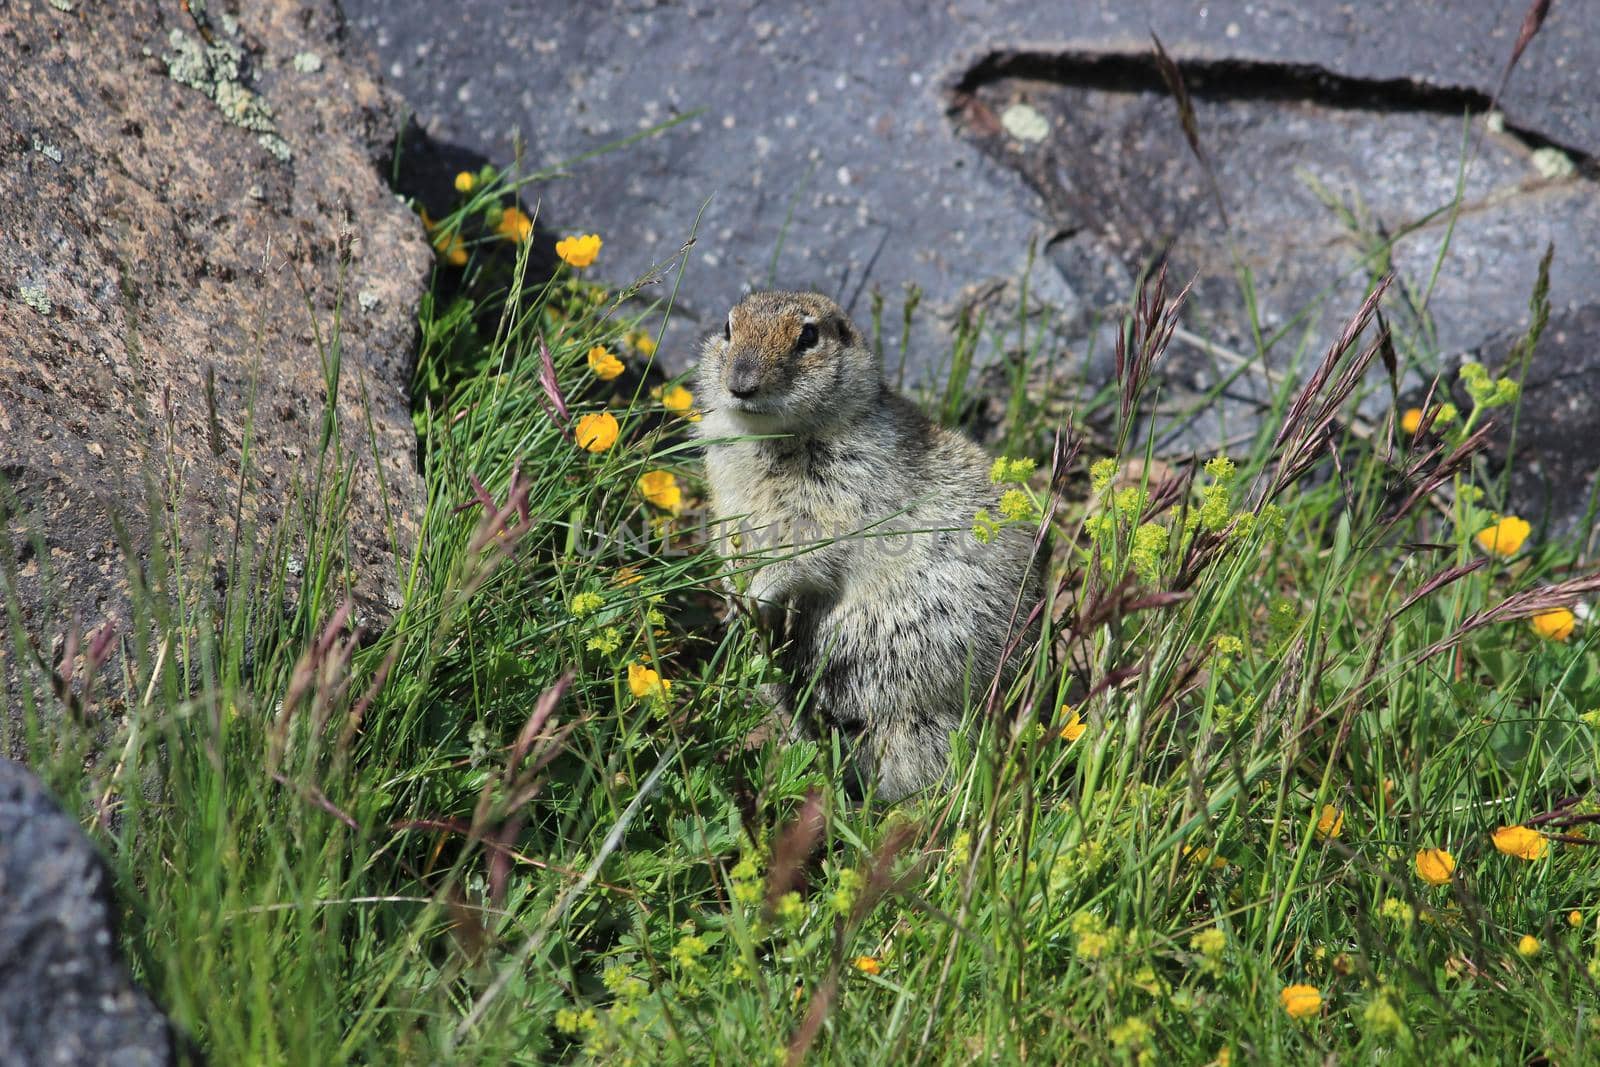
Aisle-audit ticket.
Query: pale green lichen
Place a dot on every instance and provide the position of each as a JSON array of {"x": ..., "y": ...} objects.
[
  {"x": 307, "y": 62},
  {"x": 37, "y": 298},
  {"x": 63, "y": 6},
  {"x": 367, "y": 299},
  {"x": 46, "y": 149},
  {"x": 213, "y": 69},
  {"x": 1552, "y": 163}
]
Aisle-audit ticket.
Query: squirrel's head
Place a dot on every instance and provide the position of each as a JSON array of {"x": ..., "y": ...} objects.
[{"x": 787, "y": 362}]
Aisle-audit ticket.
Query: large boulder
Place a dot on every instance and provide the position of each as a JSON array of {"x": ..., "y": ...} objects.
[
  {"x": 65, "y": 995},
  {"x": 856, "y": 146},
  {"x": 196, "y": 233}
]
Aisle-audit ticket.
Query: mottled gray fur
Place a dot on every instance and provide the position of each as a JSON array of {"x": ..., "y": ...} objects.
[{"x": 861, "y": 508}]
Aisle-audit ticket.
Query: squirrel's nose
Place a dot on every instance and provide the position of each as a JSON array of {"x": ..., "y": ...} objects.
[{"x": 744, "y": 377}]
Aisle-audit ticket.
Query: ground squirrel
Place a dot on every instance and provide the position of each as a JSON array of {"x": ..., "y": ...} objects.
[{"x": 896, "y": 615}]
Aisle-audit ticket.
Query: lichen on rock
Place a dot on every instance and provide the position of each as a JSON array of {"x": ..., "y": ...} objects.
[{"x": 213, "y": 69}]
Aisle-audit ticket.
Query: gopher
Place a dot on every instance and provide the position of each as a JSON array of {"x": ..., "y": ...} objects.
[{"x": 856, "y": 511}]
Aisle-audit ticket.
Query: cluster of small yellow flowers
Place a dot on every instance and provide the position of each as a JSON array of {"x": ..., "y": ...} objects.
[
  {"x": 745, "y": 881},
  {"x": 1201, "y": 855},
  {"x": 596, "y": 432},
  {"x": 1301, "y": 1001},
  {"x": 1381, "y": 1017},
  {"x": 1074, "y": 727},
  {"x": 1011, "y": 471},
  {"x": 1556, "y": 624},
  {"x": 1505, "y": 537},
  {"x": 1435, "y": 866},
  {"x": 1397, "y": 911},
  {"x": 1149, "y": 548},
  {"x": 843, "y": 898},
  {"x": 1330, "y": 821},
  {"x": 689, "y": 951},
  {"x": 603, "y": 364},
  {"x": 1101, "y": 473},
  {"x": 1131, "y": 1033},
  {"x": 1016, "y": 505},
  {"x": 1225, "y": 647},
  {"x": 868, "y": 964},
  {"x": 646, "y": 684},
  {"x": 579, "y": 251},
  {"x": 628, "y": 989},
  {"x": 1487, "y": 392},
  {"x": 1521, "y": 842},
  {"x": 1216, "y": 500},
  {"x": 606, "y": 641},
  {"x": 661, "y": 489},
  {"x": 514, "y": 225},
  {"x": 1093, "y": 938},
  {"x": 1528, "y": 946},
  {"x": 570, "y": 1021},
  {"x": 585, "y": 604},
  {"x": 1209, "y": 945},
  {"x": 790, "y": 909}
]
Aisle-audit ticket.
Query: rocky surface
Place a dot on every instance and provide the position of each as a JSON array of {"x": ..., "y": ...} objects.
[
  {"x": 193, "y": 211},
  {"x": 855, "y": 147},
  {"x": 65, "y": 994}
]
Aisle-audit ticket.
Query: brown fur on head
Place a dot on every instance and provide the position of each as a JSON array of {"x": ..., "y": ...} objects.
[{"x": 786, "y": 362}]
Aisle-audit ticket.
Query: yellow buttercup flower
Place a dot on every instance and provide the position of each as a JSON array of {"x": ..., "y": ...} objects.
[
  {"x": 1330, "y": 821},
  {"x": 1505, "y": 537},
  {"x": 646, "y": 684},
  {"x": 1075, "y": 725},
  {"x": 1574, "y": 919},
  {"x": 1435, "y": 866},
  {"x": 1411, "y": 421},
  {"x": 579, "y": 251},
  {"x": 661, "y": 489},
  {"x": 604, "y": 365},
  {"x": 680, "y": 401},
  {"x": 515, "y": 225},
  {"x": 451, "y": 248},
  {"x": 1521, "y": 842},
  {"x": 1554, "y": 625},
  {"x": 1528, "y": 947},
  {"x": 466, "y": 181},
  {"x": 1301, "y": 1001},
  {"x": 868, "y": 964},
  {"x": 596, "y": 432},
  {"x": 627, "y": 575},
  {"x": 642, "y": 343}
]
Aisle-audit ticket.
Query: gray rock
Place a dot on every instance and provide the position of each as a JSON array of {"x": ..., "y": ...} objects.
[
  {"x": 200, "y": 210},
  {"x": 65, "y": 995},
  {"x": 856, "y": 146}
]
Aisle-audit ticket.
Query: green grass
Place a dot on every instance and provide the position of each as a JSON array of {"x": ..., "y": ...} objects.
[{"x": 465, "y": 839}]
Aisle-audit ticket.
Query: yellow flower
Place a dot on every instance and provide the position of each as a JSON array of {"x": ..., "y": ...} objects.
[
  {"x": 579, "y": 251},
  {"x": 680, "y": 401},
  {"x": 627, "y": 576},
  {"x": 1505, "y": 537},
  {"x": 604, "y": 365},
  {"x": 1330, "y": 822},
  {"x": 466, "y": 181},
  {"x": 597, "y": 432},
  {"x": 1224, "y": 1057},
  {"x": 868, "y": 964},
  {"x": 642, "y": 343},
  {"x": 1301, "y": 1000},
  {"x": 646, "y": 684},
  {"x": 1075, "y": 725},
  {"x": 1435, "y": 866},
  {"x": 1574, "y": 919},
  {"x": 1521, "y": 842},
  {"x": 661, "y": 489},
  {"x": 1528, "y": 947},
  {"x": 1554, "y": 625},
  {"x": 514, "y": 225},
  {"x": 1411, "y": 421},
  {"x": 585, "y": 604},
  {"x": 451, "y": 248}
]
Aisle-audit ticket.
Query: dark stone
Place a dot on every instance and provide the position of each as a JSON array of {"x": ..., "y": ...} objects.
[
  {"x": 855, "y": 147},
  {"x": 65, "y": 994},
  {"x": 178, "y": 216}
]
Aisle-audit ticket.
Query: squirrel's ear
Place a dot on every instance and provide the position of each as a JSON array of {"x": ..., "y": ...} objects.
[{"x": 846, "y": 338}]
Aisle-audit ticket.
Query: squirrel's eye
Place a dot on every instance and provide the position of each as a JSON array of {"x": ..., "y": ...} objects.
[
  {"x": 727, "y": 329},
  {"x": 808, "y": 336}
]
